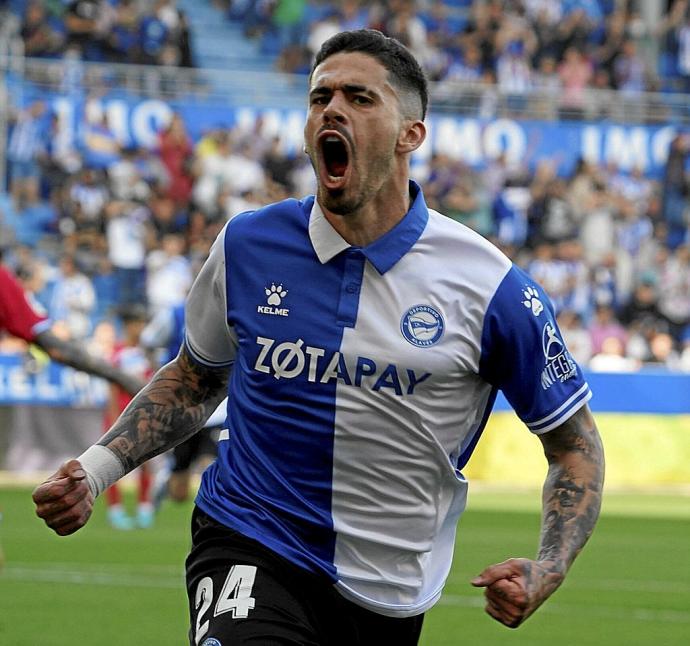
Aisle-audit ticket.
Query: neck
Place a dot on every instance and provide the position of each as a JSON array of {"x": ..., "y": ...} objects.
[{"x": 375, "y": 218}]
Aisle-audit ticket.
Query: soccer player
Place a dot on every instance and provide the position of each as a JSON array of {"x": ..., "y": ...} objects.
[
  {"x": 133, "y": 359},
  {"x": 20, "y": 319},
  {"x": 362, "y": 338}
]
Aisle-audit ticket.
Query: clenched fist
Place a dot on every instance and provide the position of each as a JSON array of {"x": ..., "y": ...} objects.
[
  {"x": 64, "y": 501},
  {"x": 515, "y": 588}
]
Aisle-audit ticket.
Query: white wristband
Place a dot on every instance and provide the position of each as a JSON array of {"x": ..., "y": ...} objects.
[{"x": 102, "y": 468}]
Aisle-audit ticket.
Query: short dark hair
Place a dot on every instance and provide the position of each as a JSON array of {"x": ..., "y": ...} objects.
[{"x": 404, "y": 70}]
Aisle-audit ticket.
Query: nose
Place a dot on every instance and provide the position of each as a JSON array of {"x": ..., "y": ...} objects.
[{"x": 334, "y": 111}]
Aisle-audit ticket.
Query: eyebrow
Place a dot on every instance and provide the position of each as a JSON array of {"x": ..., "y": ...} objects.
[{"x": 349, "y": 88}]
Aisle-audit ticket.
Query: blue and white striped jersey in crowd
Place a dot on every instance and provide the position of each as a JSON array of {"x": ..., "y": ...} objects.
[
  {"x": 361, "y": 380},
  {"x": 26, "y": 139}
]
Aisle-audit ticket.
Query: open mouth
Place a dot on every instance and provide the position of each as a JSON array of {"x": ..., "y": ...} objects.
[{"x": 336, "y": 159}]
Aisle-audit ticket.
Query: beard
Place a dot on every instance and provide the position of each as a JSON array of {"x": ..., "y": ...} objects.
[
  {"x": 351, "y": 198},
  {"x": 339, "y": 203}
]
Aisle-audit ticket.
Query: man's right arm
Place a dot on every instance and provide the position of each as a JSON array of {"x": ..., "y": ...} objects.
[
  {"x": 175, "y": 405},
  {"x": 171, "y": 408}
]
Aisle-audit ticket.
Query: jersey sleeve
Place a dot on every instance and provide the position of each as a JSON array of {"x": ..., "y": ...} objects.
[
  {"x": 523, "y": 354},
  {"x": 208, "y": 336},
  {"x": 17, "y": 316}
]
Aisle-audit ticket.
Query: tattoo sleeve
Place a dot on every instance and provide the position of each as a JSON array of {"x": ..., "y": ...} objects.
[
  {"x": 172, "y": 407},
  {"x": 572, "y": 492},
  {"x": 73, "y": 355}
]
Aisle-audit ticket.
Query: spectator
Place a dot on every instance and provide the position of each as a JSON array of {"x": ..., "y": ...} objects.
[
  {"x": 629, "y": 69},
  {"x": 278, "y": 165},
  {"x": 674, "y": 290},
  {"x": 126, "y": 233},
  {"x": 675, "y": 190},
  {"x": 643, "y": 306},
  {"x": 683, "y": 38},
  {"x": 38, "y": 37},
  {"x": 611, "y": 357},
  {"x": 467, "y": 202},
  {"x": 575, "y": 336},
  {"x": 558, "y": 220},
  {"x": 322, "y": 30},
  {"x": 663, "y": 353},
  {"x": 26, "y": 143},
  {"x": 605, "y": 326},
  {"x": 513, "y": 70},
  {"x": 575, "y": 73},
  {"x": 124, "y": 37},
  {"x": 175, "y": 149},
  {"x": 101, "y": 148},
  {"x": 510, "y": 213},
  {"x": 126, "y": 181},
  {"x": 598, "y": 230},
  {"x": 153, "y": 36},
  {"x": 408, "y": 28},
  {"x": 237, "y": 169},
  {"x": 73, "y": 300},
  {"x": 169, "y": 274},
  {"x": 88, "y": 197},
  {"x": 287, "y": 19},
  {"x": 88, "y": 24}
]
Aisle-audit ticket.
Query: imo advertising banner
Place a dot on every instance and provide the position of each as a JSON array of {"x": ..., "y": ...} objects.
[{"x": 475, "y": 141}]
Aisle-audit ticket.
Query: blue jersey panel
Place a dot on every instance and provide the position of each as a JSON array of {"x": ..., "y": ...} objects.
[
  {"x": 524, "y": 355},
  {"x": 273, "y": 477},
  {"x": 177, "y": 337}
]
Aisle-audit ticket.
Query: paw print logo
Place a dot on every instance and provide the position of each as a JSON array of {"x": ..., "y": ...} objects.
[
  {"x": 275, "y": 294},
  {"x": 532, "y": 301}
]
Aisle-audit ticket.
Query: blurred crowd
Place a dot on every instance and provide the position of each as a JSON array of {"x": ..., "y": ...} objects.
[
  {"x": 95, "y": 230},
  {"x": 520, "y": 45},
  {"x": 149, "y": 32}
]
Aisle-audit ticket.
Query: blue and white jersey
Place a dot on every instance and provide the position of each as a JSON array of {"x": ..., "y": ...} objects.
[{"x": 361, "y": 381}]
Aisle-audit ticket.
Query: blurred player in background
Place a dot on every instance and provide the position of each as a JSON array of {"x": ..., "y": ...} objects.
[
  {"x": 165, "y": 333},
  {"x": 361, "y": 338},
  {"x": 130, "y": 357}
]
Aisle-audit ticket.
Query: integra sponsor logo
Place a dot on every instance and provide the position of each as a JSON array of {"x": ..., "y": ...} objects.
[
  {"x": 559, "y": 364},
  {"x": 292, "y": 359}
]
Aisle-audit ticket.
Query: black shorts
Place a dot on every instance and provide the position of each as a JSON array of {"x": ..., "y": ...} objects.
[
  {"x": 202, "y": 443},
  {"x": 240, "y": 592}
]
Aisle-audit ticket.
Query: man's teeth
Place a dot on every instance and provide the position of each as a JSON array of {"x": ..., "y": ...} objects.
[{"x": 332, "y": 139}]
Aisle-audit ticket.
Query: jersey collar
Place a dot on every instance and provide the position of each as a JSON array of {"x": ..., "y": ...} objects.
[{"x": 385, "y": 251}]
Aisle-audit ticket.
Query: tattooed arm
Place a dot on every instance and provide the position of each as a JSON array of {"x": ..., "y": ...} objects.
[
  {"x": 171, "y": 408},
  {"x": 73, "y": 355},
  {"x": 571, "y": 500}
]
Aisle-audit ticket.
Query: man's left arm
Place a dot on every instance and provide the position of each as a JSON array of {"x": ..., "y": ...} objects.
[{"x": 571, "y": 501}]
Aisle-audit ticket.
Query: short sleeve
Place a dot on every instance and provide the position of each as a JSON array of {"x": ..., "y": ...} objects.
[
  {"x": 17, "y": 316},
  {"x": 208, "y": 336},
  {"x": 524, "y": 355}
]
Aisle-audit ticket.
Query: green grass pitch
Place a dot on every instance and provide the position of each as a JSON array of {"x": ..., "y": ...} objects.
[{"x": 631, "y": 586}]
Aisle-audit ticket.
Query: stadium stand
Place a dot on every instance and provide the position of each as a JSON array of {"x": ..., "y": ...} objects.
[{"x": 135, "y": 215}]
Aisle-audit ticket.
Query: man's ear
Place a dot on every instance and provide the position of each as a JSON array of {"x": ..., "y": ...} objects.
[{"x": 411, "y": 137}]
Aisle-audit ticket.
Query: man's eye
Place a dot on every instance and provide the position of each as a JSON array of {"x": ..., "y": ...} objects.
[
  {"x": 362, "y": 100},
  {"x": 319, "y": 100}
]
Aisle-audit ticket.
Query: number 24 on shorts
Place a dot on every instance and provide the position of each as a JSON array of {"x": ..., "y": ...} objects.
[{"x": 235, "y": 597}]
